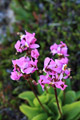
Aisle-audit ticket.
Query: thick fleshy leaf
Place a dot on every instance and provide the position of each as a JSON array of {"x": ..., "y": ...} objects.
[
  {"x": 29, "y": 96},
  {"x": 58, "y": 91},
  {"x": 70, "y": 97},
  {"x": 72, "y": 111},
  {"x": 30, "y": 112},
  {"x": 53, "y": 106},
  {"x": 51, "y": 90},
  {"x": 78, "y": 95},
  {"x": 43, "y": 99},
  {"x": 77, "y": 117},
  {"x": 42, "y": 116},
  {"x": 50, "y": 96},
  {"x": 56, "y": 111},
  {"x": 61, "y": 94},
  {"x": 50, "y": 118},
  {"x": 48, "y": 109}
]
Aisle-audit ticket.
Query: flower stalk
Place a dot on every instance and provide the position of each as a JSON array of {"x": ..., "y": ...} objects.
[
  {"x": 57, "y": 101},
  {"x": 37, "y": 96}
]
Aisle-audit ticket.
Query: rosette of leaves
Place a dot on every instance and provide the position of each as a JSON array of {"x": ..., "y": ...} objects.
[{"x": 68, "y": 101}]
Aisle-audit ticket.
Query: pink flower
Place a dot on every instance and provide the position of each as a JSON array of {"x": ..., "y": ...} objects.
[
  {"x": 18, "y": 46},
  {"x": 60, "y": 49},
  {"x": 66, "y": 73},
  {"x": 64, "y": 60},
  {"x": 44, "y": 79},
  {"x": 34, "y": 46},
  {"x": 22, "y": 62},
  {"x": 51, "y": 66},
  {"x": 47, "y": 62},
  {"x": 48, "y": 68},
  {"x": 60, "y": 85},
  {"x": 27, "y": 41},
  {"x": 15, "y": 75},
  {"x": 57, "y": 69},
  {"x": 32, "y": 67},
  {"x": 30, "y": 38},
  {"x": 40, "y": 81},
  {"x": 24, "y": 65},
  {"x": 54, "y": 48},
  {"x": 34, "y": 54},
  {"x": 54, "y": 81}
]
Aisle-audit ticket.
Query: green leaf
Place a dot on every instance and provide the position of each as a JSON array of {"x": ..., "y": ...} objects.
[
  {"x": 56, "y": 111},
  {"x": 30, "y": 112},
  {"x": 53, "y": 106},
  {"x": 77, "y": 117},
  {"x": 48, "y": 109},
  {"x": 60, "y": 95},
  {"x": 51, "y": 96},
  {"x": 29, "y": 96},
  {"x": 71, "y": 111},
  {"x": 51, "y": 90},
  {"x": 42, "y": 116},
  {"x": 50, "y": 118},
  {"x": 43, "y": 99},
  {"x": 70, "y": 97},
  {"x": 78, "y": 95}
]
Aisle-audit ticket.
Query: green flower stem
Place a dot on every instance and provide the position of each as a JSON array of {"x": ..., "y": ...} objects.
[
  {"x": 37, "y": 97},
  {"x": 46, "y": 90},
  {"x": 57, "y": 101},
  {"x": 64, "y": 95}
]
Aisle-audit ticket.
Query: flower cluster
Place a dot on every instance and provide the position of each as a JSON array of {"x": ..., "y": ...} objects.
[
  {"x": 27, "y": 42},
  {"x": 28, "y": 63},
  {"x": 56, "y": 70},
  {"x": 60, "y": 49}
]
